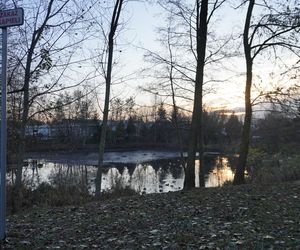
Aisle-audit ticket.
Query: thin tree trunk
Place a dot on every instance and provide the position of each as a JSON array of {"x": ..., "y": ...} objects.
[
  {"x": 17, "y": 196},
  {"x": 201, "y": 156},
  {"x": 178, "y": 134},
  {"x": 104, "y": 123},
  {"x": 196, "y": 125},
  {"x": 21, "y": 147},
  {"x": 239, "y": 177},
  {"x": 175, "y": 109},
  {"x": 113, "y": 27}
]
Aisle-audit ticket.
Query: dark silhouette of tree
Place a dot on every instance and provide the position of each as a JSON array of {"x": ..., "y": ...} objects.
[
  {"x": 120, "y": 132},
  {"x": 114, "y": 23},
  {"x": 131, "y": 128},
  {"x": 47, "y": 27},
  {"x": 277, "y": 27},
  {"x": 161, "y": 112},
  {"x": 213, "y": 125},
  {"x": 233, "y": 128},
  {"x": 196, "y": 131}
]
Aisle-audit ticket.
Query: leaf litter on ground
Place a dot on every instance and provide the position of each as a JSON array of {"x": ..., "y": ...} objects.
[{"x": 231, "y": 217}]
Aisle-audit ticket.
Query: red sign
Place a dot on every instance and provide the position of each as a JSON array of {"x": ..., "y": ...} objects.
[{"x": 13, "y": 17}]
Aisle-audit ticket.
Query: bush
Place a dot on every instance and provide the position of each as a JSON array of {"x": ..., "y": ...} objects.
[
  {"x": 118, "y": 193},
  {"x": 118, "y": 189},
  {"x": 47, "y": 195},
  {"x": 61, "y": 195},
  {"x": 277, "y": 168}
]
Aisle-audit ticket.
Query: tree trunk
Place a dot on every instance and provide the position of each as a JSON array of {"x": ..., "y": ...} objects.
[
  {"x": 239, "y": 177},
  {"x": 105, "y": 119},
  {"x": 201, "y": 157},
  {"x": 178, "y": 133},
  {"x": 21, "y": 147},
  {"x": 113, "y": 27},
  {"x": 17, "y": 196},
  {"x": 196, "y": 125},
  {"x": 175, "y": 109}
]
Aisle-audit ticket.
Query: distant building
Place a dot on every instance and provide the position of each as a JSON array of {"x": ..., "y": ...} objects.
[
  {"x": 38, "y": 130},
  {"x": 66, "y": 128}
]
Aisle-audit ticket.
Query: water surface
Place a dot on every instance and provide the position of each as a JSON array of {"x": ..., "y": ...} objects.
[{"x": 142, "y": 171}]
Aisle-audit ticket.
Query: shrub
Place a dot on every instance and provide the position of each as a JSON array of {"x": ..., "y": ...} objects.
[
  {"x": 47, "y": 195},
  {"x": 277, "y": 168},
  {"x": 118, "y": 189},
  {"x": 61, "y": 195}
]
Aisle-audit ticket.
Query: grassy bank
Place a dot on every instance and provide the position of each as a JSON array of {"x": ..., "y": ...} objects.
[{"x": 245, "y": 217}]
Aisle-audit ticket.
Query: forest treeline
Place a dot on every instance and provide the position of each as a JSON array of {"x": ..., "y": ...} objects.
[{"x": 78, "y": 126}]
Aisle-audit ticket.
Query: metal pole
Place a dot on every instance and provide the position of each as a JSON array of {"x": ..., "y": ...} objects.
[{"x": 3, "y": 136}]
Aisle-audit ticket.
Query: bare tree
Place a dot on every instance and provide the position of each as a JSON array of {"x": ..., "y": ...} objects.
[
  {"x": 196, "y": 135},
  {"x": 114, "y": 23},
  {"x": 46, "y": 46},
  {"x": 180, "y": 68},
  {"x": 169, "y": 86},
  {"x": 277, "y": 27}
]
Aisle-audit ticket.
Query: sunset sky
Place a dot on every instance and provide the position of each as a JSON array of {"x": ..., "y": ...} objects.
[{"x": 141, "y": 32}]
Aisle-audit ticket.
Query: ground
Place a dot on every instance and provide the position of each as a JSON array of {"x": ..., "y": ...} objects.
[{"x": 244, "y": 217}]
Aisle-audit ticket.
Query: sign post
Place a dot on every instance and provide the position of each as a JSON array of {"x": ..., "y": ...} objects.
[
  {"x": 3, "y": 135},
  {"x": 13, "y": 17}
]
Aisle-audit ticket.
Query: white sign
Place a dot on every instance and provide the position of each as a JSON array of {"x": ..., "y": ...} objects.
[{"x": 13, "y": 17}]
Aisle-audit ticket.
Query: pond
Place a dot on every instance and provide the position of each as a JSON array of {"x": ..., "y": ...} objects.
[{"x": 142, "y": 171}]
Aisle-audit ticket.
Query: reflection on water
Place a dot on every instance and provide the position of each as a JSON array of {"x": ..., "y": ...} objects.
[
  {"x": 157, "y": 176},
  {"x": 220, "y": 174}
]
